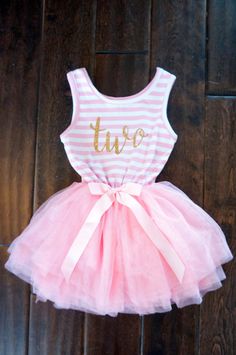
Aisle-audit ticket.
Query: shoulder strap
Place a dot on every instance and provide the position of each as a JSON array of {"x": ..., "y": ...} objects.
[
  {"x": 74, "y": 93},
  {"x": 168, "y": 79}
]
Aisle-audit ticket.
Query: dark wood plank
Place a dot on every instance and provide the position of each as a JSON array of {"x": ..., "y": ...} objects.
[
  {"x": 14, "y": 308},
  {"x": 178, "y": 45},
  {"x": 123, "y": 27},
  {"x": 19, "y": 66},
  {"x": 221, "y": 47},
  {"x": 107, "y": 335},
  {"x": 67, "y": 45},
  {"x": 55, "y": 331},
  {"x": 218, "y": 322}
]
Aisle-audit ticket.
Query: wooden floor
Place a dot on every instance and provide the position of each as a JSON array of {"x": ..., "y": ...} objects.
[{"x": 120, "y": 43}]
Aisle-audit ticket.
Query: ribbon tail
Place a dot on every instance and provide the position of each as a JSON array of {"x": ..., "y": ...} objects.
[
  {"x": 85, "y": 234},
  {"x": 149, "y": 226}
]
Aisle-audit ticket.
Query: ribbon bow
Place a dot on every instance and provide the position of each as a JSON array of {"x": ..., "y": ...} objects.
[{"x": 123, "y": 194}]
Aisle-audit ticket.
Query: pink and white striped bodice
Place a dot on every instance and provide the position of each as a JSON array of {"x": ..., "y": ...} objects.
[{"x": 119, "y": 139}]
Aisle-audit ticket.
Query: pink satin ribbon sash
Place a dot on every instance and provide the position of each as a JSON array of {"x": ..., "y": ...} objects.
[{"x": 123, "y": 194}]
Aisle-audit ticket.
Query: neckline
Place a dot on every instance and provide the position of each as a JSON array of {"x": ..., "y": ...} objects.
[{"x": 120, "y": 100}]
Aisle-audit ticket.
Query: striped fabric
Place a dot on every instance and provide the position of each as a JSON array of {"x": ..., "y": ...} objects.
[{"x": 119, "y": 139}]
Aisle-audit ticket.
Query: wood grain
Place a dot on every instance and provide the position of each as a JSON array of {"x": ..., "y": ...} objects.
[
  {"x": 14, "y": 310},
  {"x": 120, "y": 44},
  {"x": 218, "y": 321},
  {"x": 221, "y": 48},
  {"x": 19, "y": 67},
  {"x": 20, "y": 33}
]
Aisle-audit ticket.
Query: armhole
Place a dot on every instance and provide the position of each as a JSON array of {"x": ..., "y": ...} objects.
[
  {"x": 169, "y": 87},
  {"x": 74, "y": 95}
]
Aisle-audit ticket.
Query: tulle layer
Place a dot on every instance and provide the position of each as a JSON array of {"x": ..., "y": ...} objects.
[{"x": 121, "y": 270}]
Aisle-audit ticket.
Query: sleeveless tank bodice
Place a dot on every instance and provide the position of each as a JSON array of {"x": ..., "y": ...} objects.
[{"x": 119, "y": 139}]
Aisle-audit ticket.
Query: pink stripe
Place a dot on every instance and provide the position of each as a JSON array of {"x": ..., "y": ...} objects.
[
  {"x": 119, "y": 176},
  {"x": 138, "y": 160},
  {"x": 118, "y": 166},
  {"x": 118, "y": 126},
  {"x": 128, "y": 109},
  {"x": 107, "y": 169},
  {"x": 114, "y": 116},
  {"x": 88, "y": 93},
  {"x": 85, "y": 125},
  {"x": 165, "y": 75},
  {"x": 86, "y": 152}
]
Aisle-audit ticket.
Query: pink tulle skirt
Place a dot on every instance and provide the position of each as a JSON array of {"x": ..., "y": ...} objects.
[{"x": 121, "y": 270}]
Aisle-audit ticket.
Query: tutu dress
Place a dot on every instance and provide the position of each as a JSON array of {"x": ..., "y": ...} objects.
[{"x": 118, "y": 242}]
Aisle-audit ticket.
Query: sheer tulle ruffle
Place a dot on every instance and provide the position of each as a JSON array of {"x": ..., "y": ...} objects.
[{"x": 120, "y": 271}]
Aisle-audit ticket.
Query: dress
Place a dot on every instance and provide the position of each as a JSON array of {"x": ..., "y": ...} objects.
[{"x": 119, "y": 242}]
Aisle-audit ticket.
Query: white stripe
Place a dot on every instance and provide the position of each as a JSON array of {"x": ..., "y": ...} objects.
[
  {"x": 102, "y": 140},
  {"x": 102, "y": 161},
  {"x": 118, "y": 180},
  {"x": 118, "y": 165}
]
